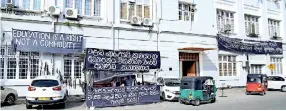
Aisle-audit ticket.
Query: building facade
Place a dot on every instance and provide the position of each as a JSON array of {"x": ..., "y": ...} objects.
[
  {"x": 175, "y": 31},
  {"x": 184, "y": 31},
  {"x": 258, "y": 20}
]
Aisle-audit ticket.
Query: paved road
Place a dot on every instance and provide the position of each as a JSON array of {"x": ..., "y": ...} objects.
[{"x": 235, "y": 100}]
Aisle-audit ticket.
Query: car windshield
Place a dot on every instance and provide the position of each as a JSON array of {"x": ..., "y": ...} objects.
[
  {"x": 45, "y": 83},
  {"x": 172, "y": 82}
]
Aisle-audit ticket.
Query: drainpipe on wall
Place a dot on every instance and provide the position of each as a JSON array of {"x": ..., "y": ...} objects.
[
  {"x": 112, "y": 25},
  {"x": 247, "y": 64},
  {"x": 2, "y": 39},
  {"x": 53, "y": 55}
]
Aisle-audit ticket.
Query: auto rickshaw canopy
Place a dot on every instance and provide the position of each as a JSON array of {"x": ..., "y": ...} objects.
[{"x": 196, "y": 82}]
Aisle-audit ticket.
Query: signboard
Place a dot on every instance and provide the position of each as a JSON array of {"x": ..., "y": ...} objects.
[
  {"x": 271, "y": 67},
  {"x": 46, "y": 42},
  {"x": 255, "y": 47},
  {"x": 122, "y": 60},
  {"x": 116, "y": 96}
]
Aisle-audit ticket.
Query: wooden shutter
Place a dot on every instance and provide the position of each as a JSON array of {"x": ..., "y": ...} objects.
[
  {"x": 146, "y": 12},
  {"x": 123, "y": 11},
  {"x": 139, "y": 10},
  {"x": 131, "y": 11}
]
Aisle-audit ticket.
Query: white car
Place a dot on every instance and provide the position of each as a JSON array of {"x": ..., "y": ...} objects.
[
  {"x": 46, "y": 90},
  {"x": 8, "y": 95},
  {"x": 169, "y": 88},
  {"x": 277, "y": 83}
]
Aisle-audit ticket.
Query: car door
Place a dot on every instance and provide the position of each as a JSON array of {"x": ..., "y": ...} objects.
[
  {"x": 280, "y": 82},
  {"x": 272, "y": 82}
]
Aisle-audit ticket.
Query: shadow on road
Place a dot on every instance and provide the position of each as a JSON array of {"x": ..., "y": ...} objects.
[
  {"x": 69, "y": 105},
  {"x": 6, "y": 105}
]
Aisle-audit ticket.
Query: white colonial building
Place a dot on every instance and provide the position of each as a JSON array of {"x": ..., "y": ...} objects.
[
  {"x": 184, "y": 31},
  {"x": 259, "y": 20}
]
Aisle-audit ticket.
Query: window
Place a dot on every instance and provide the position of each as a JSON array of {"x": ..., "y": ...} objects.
[
  {"x": 87, "y": 10},
  {"x": 45, "y": 83},
  {"x": 67, "y": 68},
  {"x": 227, "y": 65},
  {"x": 69, "y": 3},
  {"x": 251, "y": 24},
  {"x": 28, "y": 61},
  {"x": 3, "y": 3},
  {"x": 77, "y": 69},
  {"x": 275, "y": 78},
  {"x": 26, "y": 4},
  {"x": 225, "y": 18},
  {"x": 14, "y": 2},
  {"x": 11, "y": 68},
  {"x": 185, "y": 12},
  {"x": 140, "y": 8},
  {"x": 256, "y": 69},
  {"x": 2, "y": 68},
  {"x": 89, "y": 6},
  {"x": 34, "y": 64},
  {"x": 37, "y": 5},
  {"x": 277, "y": 61},
  {"x": 274, "y": 28},
  {"x": 78, "y": 6},
  {"x": 72, "y": 67},
  {"x": 23, "y": 68},
  {"x": 254, "y": 79},
  {"x": 11, "y": 62},
  {"x": 2, "y": 52},
  {"x": 97, "y": 7}
]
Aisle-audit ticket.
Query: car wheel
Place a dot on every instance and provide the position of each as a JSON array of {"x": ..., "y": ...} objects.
[
  {"x": 196, "y": 102},
  {"x": 10, "y": 99},
  {"x": 62, "y": 105},
  {"x": 28, "y": 106},
  {"x": 247, "y": 93},
  {"x": 163, "y": 96},
  {"x": 283, "y": 88}
]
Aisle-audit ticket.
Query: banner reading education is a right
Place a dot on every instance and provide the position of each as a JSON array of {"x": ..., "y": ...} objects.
[{"x": 46, "y": 42}]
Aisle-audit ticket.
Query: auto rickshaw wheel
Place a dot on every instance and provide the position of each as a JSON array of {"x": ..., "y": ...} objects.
[
  {"x": 213, "y": 100},
  {"x": 262, "y": 94},
  {"x": 181, "y": 102},
  {"x": 196, "y": 102}
]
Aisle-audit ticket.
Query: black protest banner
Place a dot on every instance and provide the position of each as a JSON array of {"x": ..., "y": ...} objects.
[
  {"x": 253, "y": 47},
  {"x": 46, "y": 42},
  {"x": 123, "y": 60},
  {"x": 116, "y": 96}
]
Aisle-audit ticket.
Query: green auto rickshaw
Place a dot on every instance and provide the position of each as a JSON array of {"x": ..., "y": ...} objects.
[{"x": 194, "y": 90}]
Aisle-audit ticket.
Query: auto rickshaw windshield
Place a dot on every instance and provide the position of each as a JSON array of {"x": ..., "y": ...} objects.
[{"x": 254, "y": 79}]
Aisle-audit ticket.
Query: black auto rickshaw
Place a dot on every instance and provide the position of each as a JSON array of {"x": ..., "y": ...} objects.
[
  {"x": 256, "y": 83},
  {"x": 194, "y": 90}
]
